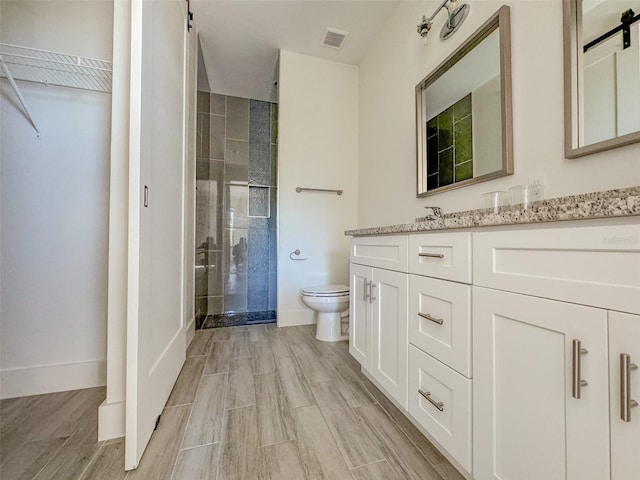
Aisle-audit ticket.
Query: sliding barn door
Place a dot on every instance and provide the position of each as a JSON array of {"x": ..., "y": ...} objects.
[{"x": 155, "y": 323}]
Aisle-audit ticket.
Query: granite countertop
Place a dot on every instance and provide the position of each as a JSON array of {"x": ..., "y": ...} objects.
[{"x": 610, "y": 203}]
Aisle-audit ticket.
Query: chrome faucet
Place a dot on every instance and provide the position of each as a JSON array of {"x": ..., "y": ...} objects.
[{"x": 436, "y": 212}]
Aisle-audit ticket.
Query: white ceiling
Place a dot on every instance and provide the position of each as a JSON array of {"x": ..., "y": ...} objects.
[{"x": 241, "y": 38}]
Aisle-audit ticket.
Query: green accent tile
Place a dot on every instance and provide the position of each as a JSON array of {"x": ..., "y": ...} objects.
[
  {"x": 446, "y": 167},
  {"x": 432, "y": 126},
  {"x": 432, "y": 181},
  {"x": 462, "y": 108},
  {"x": 432, "y": 155},
  {"x": 464, "y": 171},
  {"x": 463, "y": 140},
  {"x": 445, "y": 129}
]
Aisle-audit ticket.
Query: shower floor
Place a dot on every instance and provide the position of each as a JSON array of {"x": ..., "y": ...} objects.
[{"x": 235, "y": 319}]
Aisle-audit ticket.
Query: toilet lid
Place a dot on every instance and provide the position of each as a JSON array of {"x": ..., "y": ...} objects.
[{"x": 326, "y": 290}]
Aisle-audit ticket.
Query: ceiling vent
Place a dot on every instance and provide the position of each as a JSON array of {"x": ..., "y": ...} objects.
[{"x": 333, "y": 38}]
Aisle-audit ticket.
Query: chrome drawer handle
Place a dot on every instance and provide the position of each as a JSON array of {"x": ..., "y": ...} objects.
[
  {"x": 364, "y": 290},
  {"x": 577, "y": 382},
  {"x": 626, "y": 403},
  {"x": 371, "y": 287},
  {"x": 439, "y": 321},
  {"x": 427, "y": 396},
  {"x": 431, "y": 255}
]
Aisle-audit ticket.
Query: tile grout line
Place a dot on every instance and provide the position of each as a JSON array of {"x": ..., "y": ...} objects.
[
  {"x": 184, "y": 434},
  {"x": 93, "y": 458},
  {"x": 223, "y": 420},
  {"x": 53, "y": 456}
]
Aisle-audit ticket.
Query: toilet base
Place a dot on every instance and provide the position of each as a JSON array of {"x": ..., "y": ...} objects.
[{"x": 329, "y": 327}]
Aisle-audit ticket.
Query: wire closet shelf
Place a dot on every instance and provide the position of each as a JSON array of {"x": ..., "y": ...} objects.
[{"x": 53, "y": 68}]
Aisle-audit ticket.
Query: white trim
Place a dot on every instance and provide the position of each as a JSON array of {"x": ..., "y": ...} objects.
[
  {"x": 190, "y": 331},
  {"x": 21, "y": 382},
  {"x": 133, "y": 451},
  {"x": 110, "y": 420},
  {"x": 118, "y": 206},
  {"x": 291, "y": 318}
]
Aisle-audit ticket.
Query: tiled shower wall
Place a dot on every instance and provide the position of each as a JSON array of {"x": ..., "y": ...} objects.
[
  {"x": 236, "y": 192},
  {"x": 450, "y": 145}
]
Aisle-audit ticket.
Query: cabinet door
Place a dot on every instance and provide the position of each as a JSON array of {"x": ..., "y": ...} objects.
[
  {"x": 526, "y": 423},
  {"x": 360, "y": 315},
  {"x": 389, "y": 359},
  {"x": 624, "y": 338}
]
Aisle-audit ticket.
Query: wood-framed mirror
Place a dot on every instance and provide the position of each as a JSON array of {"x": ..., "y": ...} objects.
[
  {"x": 601, "y": 75},
  {"x": 463, "y": 113}
]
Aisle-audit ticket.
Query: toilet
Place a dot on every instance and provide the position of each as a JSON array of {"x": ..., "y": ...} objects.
[{"x": 329, "y": 301}]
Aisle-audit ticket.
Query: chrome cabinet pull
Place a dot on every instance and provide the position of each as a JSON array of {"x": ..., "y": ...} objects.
[
  {"x": 439, "y": 321},
  {"x": 371, "y": 287},
  {"x": 626, "y": 403},
  {"x": 431, "y": 255},
  {"x": 577, "y": 382},
  {"x": 364, "y": 290},
  {"x": 427, "y": 396}
]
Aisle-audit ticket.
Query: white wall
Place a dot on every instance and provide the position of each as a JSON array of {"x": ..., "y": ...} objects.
[
  {"x": 55, "y": 192},
  {"x": 487, "y": 132},
  {"x": 398, "y": 60},
  {"x": 317, "y": 148}
]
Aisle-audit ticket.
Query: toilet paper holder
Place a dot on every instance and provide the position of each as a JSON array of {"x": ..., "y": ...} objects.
[{"x": 296, "y": 252}]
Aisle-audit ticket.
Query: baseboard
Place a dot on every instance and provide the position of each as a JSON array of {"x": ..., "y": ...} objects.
[
  {"x": 110, "y": 420},
  {"x": 22, "y": 382},
  {"x": 290, "y": 318},
  {"x": 190, "y": 331}
]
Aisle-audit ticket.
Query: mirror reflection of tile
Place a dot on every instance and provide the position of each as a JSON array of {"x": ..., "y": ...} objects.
[
  {"x": 450, "y": 145},
  {"x": 236, "y": 194}
]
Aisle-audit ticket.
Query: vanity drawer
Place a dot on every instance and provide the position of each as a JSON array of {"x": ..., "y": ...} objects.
[
  {"x": 389, "y": 252},
  {"x": 440, "y": 321},
  {"x": 595, "y": 266},
  {"x": 441, "y": 255},
  {"x": 448, "y": 418}
]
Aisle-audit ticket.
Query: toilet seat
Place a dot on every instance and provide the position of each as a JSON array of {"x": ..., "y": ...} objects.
[{"x": 334, "y": 290}]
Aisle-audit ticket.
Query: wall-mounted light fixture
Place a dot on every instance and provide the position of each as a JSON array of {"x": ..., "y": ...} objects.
[{"x": 456, "y": 15}]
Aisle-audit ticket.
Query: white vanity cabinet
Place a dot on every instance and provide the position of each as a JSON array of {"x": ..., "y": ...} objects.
[
  {"x": 546, "y": 360},
  {"x": 378, "y": 316},
  {"x": 517, "y": 346}
]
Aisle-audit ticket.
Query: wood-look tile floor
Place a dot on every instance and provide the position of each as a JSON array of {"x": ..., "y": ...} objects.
[{"x": 250, "y": 403}]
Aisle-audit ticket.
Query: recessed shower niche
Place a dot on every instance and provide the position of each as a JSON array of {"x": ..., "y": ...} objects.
[{"x": 236, "y": 195}]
